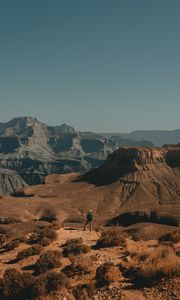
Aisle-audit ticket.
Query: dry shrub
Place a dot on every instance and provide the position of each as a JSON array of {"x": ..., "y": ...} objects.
[
  {"x": 111, "y": 238},
  {"x": 43, "y": 235},
  {"x": 136, "y": 237},
  {"x": 85, "y": 291},
  {"x": 48, "y": 260},
  {"x": 173, "y": 237},
  {"x": 15, "y": 284},
  {"x": 56, "y": 225},
  {"x": 80, "y": 293},
  {"x": 80, "y": 266},
  {"x": 49, "y": 215},
  {"x": 3, "y": 239},
  {"x": 158, "y": 264},
  {"x": 6, "y": 231},
  {"x": 34, "y": 250},
  {"x": 11, "y": 245},
  {"x": 74, "y": 247},
  {"x": 48, "y": 282},
  {"x": 106, "y": 274}
]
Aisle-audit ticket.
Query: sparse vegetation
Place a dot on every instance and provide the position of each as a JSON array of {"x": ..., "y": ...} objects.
[
  {"x": 48, "y": 282},
  {"x": 34, "y": 250},
  {"x": 74, "y": 247},
  {"x": 49, "y": 215},
  {"x": 6, "y": 231},
  {"x": 85, "y": 291},
  {"x": 147, "y": 268},
  {"x": 15, "y": 285},
  {"x": 48, "y": 260},
  {"x": 43, "y": 235},
  {"x": 3, "y": 239},
  {"x": 80, "y": 266},
  {"x": 111, "y": 238},
  {"x": 173, "y": 237},
  {"x": 11, "y": 245},
  {"x": 136, "y": 237},
  {"x": 106, "y": 274}
]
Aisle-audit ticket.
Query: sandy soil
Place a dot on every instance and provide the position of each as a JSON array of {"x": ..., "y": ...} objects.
[{"x": 122, "y": 290}]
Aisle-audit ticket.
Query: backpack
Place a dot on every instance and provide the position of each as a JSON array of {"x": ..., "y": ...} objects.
[{"x": 90, "y": 216}]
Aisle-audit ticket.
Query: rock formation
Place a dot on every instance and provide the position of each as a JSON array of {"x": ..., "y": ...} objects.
[
  {"x": 10, "y": 182},
  {"x": 34, "y": 149}
]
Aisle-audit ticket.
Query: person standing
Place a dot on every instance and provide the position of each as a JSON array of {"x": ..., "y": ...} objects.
[{"x": 89, "y": 219}]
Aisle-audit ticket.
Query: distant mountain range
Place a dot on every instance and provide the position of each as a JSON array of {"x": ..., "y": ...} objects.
[
  {"x": 34, "y": 149},
  {"x": 157, "y": 137}
]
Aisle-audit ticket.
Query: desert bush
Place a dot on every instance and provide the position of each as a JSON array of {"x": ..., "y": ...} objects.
[
  {"x": 9, "y": 220},
  {"x": 11, "y": 245},
  {"x": 34, "y": 250},
  {"x": 48, "y": 260},
  {"x": 47, "y": 283},
  {"x": 74, "y": 247},
  {"x": 15, "y": 285},
  {"x": 173, "y": 237},
  {"x": 111, "y": 239},
  {"x": 106, "y": 274},
  {"x": 157, "y": 265},
  {"x": 79, "y": 266},
  {"x": 85, "y": 291},
  {"x": 45, "y": 241},
  {"x": 56, "y": 225},
  {"x": 49, "y": 215},
  {"x": 43, "y": 235},
  {"x": 6, "y": 231},
  {"x": 3, "y": 239},
  {"x": 136, "y": 237},
  {"x": 22, "y": 193}
]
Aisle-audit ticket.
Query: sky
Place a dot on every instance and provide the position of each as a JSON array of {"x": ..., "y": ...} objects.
[{"x": 98, "y": 65}]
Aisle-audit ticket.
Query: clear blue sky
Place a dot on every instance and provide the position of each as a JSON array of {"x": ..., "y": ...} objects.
[{"x": 99, "y": 65}]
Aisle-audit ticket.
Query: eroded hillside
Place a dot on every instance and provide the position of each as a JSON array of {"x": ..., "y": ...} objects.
[{"x": 131, "y": 180}]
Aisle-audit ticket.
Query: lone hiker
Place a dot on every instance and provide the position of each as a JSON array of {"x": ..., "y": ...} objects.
[{"x": 89, "y": 220}]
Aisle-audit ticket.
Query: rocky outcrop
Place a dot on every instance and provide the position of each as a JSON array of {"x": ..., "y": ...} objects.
[
  {"x": 10, "y": 182},
  {"x": 127, "y": 160},
  {"x": 140, "y": 179},
  {"x": 34, "y": 149}
]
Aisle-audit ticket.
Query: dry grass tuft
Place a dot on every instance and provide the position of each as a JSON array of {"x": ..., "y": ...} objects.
[
  {"x": 43, "y": 235},
  {"x": 47, "y": 283},
  {"x": 34, "y": 250},
  {"x": 12, "y": 245},
  {"x": 49, "y": 215},
  {"x": 173, "y": 237},
  {"x": 80, "y": 266},
  {"x": 3, "y": 239},
  {"x": 107, "y": 273},
  {"x": 148, "y": 267},
  {"x": 15, "y": 284},
  {"x": 85, "y": 291},
  {"x": 74, "y": 247},
  {"x": 111, "y": 238},
  {"x": 48, "y": 260}
]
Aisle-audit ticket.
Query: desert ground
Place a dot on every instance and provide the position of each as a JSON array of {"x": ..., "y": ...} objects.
[
  {"x": 45, "y": 254},
  {"x": 105, "y": 263}
]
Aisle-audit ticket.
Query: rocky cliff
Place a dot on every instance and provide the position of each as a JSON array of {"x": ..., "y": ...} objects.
[
  {"x": 10, "y": 182},
  {"x": 142, "y": 178},
  {"x": 34, "y": 149}
]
